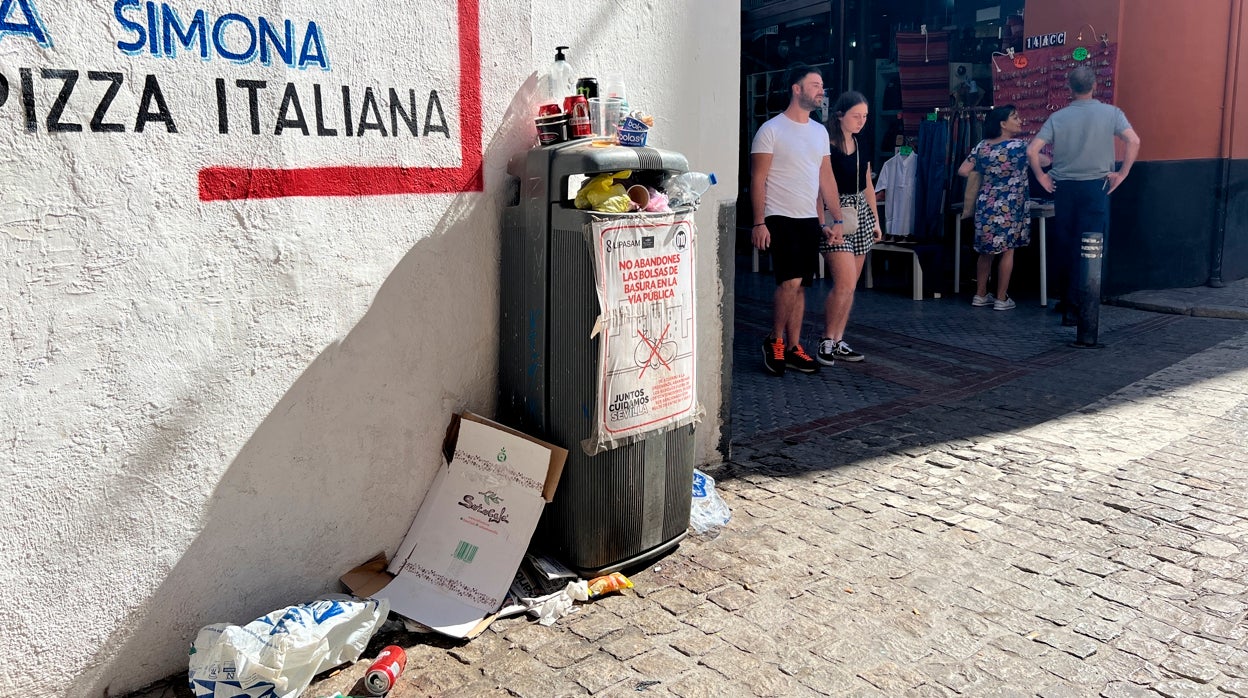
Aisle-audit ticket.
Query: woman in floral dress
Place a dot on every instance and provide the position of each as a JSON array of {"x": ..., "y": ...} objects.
[{"x": 1001, "y": 222}]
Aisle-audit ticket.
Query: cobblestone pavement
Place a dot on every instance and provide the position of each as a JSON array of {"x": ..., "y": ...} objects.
[{"x": 977, "y": 509}]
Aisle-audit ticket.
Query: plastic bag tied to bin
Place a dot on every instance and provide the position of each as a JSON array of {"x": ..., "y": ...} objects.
[
  {"x": 277, "y": 655},
  {"x": 709, "y": 510}
]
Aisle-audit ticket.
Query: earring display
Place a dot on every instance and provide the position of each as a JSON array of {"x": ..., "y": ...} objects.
[{"x": 1038, "y": 85}]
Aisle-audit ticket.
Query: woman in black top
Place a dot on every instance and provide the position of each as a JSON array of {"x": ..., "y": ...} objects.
[{"x": 852, "y": 169}]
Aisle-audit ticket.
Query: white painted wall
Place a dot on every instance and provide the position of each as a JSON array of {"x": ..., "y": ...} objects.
[{"x": 211, "y": 409}]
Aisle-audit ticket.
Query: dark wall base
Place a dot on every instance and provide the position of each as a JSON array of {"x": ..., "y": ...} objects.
[
  {"x": 1163, "y": 225},
  {"x": 1235, "y": 244}
]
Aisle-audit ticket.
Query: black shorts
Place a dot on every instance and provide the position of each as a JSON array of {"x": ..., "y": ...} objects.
[{"x": 794, "y": 248}]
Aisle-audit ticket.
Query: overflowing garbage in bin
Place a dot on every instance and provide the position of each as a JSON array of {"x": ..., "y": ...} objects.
[{"x": 619, "y": 192}]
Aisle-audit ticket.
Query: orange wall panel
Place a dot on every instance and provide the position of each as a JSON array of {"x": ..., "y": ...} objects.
[
  {"x": 1051, "y": 16},
  {"x": 1172, "y": 67}
]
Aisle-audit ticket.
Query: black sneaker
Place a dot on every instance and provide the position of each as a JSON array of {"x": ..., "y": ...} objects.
[
  {"x": 827, "y": 352},
  {"x": 840, "y": 350},
  {"x": 798, "y": 360},
  {"x": 773, "y": 356}
]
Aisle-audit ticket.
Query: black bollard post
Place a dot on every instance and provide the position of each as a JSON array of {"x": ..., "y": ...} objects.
[{"x": 1091, "y": 250}]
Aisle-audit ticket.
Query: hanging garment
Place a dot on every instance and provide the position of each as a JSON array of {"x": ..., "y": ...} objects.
[
  {"x": 923, "y": 66},
  {"x": 929, "y": 200},
  {"x": 897, "y": 178},
  {"x": 967, "y": 129}
]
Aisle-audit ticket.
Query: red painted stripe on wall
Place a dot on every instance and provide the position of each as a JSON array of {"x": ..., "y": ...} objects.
[{"x": 223, "y": 183}]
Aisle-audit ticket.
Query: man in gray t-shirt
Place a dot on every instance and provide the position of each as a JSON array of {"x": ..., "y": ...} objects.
[{"x": 1083, "y": 175}]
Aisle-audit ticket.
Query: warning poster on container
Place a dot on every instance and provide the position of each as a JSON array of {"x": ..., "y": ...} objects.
[{"x": 647, "y": 345}]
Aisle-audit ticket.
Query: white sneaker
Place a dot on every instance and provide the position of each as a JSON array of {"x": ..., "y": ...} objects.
[
  {"x": 981, "y": 301},
  {"x": 1003, "y": 304}
]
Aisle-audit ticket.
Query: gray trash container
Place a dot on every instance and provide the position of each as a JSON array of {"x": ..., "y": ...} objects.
[{"x": 624, "y": 505}]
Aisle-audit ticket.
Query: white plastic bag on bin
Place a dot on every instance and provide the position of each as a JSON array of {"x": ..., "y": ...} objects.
[
  {"x": 709, "y": 510},
  {"x": 277, "y": 655}
]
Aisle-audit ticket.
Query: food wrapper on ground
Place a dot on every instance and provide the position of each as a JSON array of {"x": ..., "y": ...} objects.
[
  {"x": 558, "y": 605},
  {"x": 602, "y": 193},
  {"x": 607, "y": 584}
]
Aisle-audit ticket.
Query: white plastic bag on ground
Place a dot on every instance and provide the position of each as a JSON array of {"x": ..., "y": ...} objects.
[
  {"x": 709, "y": 510},
  {"x": 276, "y": 656}
]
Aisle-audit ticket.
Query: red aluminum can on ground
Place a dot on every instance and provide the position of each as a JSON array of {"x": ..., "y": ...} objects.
[{"x": 385, "y": 670}]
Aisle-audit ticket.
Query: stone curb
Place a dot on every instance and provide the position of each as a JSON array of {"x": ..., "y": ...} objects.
[{"x": 1229, "y": 312}]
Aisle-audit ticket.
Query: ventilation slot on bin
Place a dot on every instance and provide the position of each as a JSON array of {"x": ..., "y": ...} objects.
[{"x": 649, "y": 159}]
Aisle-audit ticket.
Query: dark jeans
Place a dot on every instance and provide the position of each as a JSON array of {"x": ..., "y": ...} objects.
[{"x": 1079, "y": 207}]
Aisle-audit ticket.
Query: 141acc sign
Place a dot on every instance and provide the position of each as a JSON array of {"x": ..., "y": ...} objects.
[
  {"x": 647, "y": 345},
  {"x": 297, "y": 98}
]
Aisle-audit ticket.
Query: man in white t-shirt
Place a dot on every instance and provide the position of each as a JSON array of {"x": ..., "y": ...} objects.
[{"x": 789, "y": 168}]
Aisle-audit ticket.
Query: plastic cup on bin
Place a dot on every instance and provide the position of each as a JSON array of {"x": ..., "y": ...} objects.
[
  {"x": 605, "y": 114},
  {"x": 640, "y": 196},
  {"x": 612, "y": 86}
]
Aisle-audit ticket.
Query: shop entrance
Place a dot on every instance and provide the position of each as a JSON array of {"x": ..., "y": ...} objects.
[
  {"x": 860, "y": 44},
  {"x": 912, "y": 60}
]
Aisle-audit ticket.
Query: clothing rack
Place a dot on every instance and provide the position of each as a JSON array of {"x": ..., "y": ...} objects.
[
  {"x": 949, "y": 111},
  {"x": 948, "y": 134},
  {"x": 966, "y": 128}
]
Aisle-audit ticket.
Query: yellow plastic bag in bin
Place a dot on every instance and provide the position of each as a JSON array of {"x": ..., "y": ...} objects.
[{"x": 601, "y": 193}]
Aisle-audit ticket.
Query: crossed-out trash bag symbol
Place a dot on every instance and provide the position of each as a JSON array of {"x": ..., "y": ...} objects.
[{"x": 652, "y": 353}]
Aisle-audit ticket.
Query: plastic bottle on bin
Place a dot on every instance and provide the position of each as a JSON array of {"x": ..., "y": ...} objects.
[
  {"x": 561, "y": 80},
  {"x": 687, "y": 188}
]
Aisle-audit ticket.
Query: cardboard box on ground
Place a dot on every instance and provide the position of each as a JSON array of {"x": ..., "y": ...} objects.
[{"x": 461, "y": 554}]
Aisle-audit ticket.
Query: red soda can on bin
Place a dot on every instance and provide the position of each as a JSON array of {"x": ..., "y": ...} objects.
[
  {"x": 385, "y": 670},
  {"x": 577, "y": 109}
]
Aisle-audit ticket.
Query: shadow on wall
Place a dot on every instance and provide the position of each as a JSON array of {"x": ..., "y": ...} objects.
[{"x": 268, "y": 538}]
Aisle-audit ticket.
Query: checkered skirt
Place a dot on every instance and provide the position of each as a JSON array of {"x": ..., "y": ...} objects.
[{"x": 860, "y": 242}]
